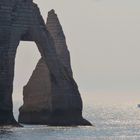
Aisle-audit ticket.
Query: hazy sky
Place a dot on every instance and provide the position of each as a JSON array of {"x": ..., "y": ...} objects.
[{"x": 103, "y": 37}]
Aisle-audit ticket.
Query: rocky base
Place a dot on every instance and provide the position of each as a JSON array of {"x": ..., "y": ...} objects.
[
  {"x": 57, "y": 118},
  {"x": 7, "y": 119}
]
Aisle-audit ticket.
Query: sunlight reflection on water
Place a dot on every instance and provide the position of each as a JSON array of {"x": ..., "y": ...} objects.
[{"x": 111, "y": 123}]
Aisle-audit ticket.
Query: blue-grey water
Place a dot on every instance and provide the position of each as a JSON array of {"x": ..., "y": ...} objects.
[{"x": 117, "y": 122}]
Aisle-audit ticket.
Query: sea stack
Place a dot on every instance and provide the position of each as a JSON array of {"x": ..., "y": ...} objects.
[{"x": 51, "y": 101}]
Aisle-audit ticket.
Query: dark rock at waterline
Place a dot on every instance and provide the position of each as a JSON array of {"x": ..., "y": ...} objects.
[
  {"x": 57, "y": 118},
  {"x": 7, "y": 119}
]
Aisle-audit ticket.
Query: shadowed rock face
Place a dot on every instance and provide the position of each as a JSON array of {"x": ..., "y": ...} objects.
[
  {"x": 21, "y": 20},
  {"x": 47, "y": 101}
]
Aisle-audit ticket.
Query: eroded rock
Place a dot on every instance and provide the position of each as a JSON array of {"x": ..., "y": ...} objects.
[
  {"x": 21, "y": 20},
  {"x": 48, "y": 100}
]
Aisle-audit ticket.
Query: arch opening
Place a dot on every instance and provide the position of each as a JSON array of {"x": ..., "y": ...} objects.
[{"x": 27, "y": 57}]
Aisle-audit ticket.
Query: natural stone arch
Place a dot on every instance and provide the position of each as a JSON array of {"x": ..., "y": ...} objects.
[{"x": 21, "y": 20}]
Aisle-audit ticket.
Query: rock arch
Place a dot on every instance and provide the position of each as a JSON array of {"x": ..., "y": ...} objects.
[{"x": 21, "y": 20}]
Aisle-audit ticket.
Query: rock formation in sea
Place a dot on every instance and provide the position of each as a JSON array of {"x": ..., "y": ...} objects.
[
  {"x": 48, "y": 100},
  {"x": 21, "y": 20}
]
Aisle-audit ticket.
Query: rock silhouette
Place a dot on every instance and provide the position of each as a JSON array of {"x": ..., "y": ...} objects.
[
  {"x": 21, "y": 20},
  {"x": 42, "y": 105}
]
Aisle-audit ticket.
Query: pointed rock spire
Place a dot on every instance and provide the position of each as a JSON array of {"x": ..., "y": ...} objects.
[{"x": 55, "y": 28}]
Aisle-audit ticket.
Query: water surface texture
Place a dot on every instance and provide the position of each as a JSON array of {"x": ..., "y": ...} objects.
[{"x": 117, "y": 122}]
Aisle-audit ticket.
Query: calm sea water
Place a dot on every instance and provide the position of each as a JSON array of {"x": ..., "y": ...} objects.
[{"x": 117, "y": 122}]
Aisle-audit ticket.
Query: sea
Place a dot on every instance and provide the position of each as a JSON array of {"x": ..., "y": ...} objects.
[{"x": 110, "y": 122}]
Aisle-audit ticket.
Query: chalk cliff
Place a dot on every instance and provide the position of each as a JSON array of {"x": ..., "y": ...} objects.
[
  {"x": 48, "y": 100},
  {"x": 21, "y": 20}
]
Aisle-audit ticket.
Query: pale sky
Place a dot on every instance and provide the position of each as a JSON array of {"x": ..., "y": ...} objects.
[{"x": 103, "y": 37}]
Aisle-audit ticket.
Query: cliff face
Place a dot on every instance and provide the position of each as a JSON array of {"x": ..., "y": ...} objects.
[
  {"x": 48, "y": 100},
  {"x": 16, "y": 20},
  {"x": 21, "y": 20}
]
